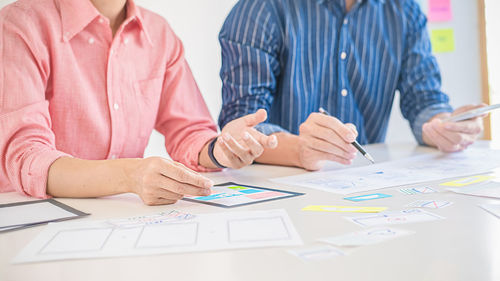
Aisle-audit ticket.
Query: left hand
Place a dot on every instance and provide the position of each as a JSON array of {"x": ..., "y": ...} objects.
[
  {"x": 453, "y": 136},
  {"x": 240, "y": 143}
]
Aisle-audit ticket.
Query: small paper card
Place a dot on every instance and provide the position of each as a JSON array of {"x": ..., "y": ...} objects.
[
  {"x": 366, "y": 237},
  {"x": 344, "y": 209},
  {"x": 431, "y": 204}
]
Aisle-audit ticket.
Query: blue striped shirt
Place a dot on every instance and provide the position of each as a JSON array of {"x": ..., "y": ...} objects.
[{"x": 293, "y": 56}]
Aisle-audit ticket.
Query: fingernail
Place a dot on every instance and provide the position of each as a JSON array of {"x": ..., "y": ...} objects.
[
  {"x": 350, "y": 137},
  {"x": 226, "y": 137},
  {"x": 273, "y": 142},
  {"x": 449, "y": 126},
  {"x": 246, "y": 136},
  {"x": 207, "y": 192},
  {"x": 208, "y": 184}
]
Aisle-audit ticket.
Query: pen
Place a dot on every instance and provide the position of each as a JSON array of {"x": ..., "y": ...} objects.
[{"x": 354, "y": 143}]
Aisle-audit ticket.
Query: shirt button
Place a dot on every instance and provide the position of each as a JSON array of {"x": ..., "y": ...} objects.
[
  {"x": 125, "y": 41},
  {"x": 113, "y": 156},
  {"x": 116, "y": 106},
  {"x": 111, "y": 52},
  {"x": 343, "y": 55},
  {"x": 344, "y": 92},
  {"x": 346, "y": 21},
  {"x": 91, "y": 40}
]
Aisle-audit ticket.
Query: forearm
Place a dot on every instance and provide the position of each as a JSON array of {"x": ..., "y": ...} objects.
[
  {"x": 70, "y": 177},
  {"x": 286, "y": 154}
]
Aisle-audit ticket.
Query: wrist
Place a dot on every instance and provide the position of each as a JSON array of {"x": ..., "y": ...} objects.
[
  {"x": 212, "y": 147},
  {"x": 127, "y": 168}
]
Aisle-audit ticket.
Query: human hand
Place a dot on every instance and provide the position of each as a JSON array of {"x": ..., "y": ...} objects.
[
  {"x": 453, "y": 136},
  {"x": 325, "y": 137},
  {"x": 240, "y": 143},
  {"x": 160, "y": 181}
]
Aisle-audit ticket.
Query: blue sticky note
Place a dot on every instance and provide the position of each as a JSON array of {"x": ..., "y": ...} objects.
[{"x": 368, "y": 197}]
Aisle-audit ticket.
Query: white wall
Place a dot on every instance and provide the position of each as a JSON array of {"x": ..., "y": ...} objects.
[{"x": 197, "y": 23}]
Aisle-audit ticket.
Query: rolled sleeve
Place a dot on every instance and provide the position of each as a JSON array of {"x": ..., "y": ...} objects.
[
  {"x": 424, "y": 116},
  {"x": 269, "y": 129}
]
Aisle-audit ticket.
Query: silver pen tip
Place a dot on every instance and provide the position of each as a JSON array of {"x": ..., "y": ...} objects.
[{"x": 369, "y": 157}]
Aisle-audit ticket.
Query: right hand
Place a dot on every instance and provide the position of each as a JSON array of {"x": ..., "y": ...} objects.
[
  {"x": 325, "y": 137},
  {"x": 159, "y": 181}
]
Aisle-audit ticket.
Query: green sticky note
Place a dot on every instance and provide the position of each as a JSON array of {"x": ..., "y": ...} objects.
[
  {"x": 237, "y": 187},
  {"x": 443, "y": 40}
]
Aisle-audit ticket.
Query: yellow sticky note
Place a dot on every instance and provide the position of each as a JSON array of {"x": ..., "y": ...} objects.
[
  {"x": 467, "y": 181},
  {"x": 443, "y": 40},
  {"x": 344, "y": 209}
]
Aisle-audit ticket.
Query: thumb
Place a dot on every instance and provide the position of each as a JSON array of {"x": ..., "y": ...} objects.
[
  {"x": 254, "y": 119},
  {"x": 467, "y": 108}
]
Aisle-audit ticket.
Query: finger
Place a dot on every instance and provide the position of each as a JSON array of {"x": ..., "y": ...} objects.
[
  {"x": 180, "y": 188},
  {"x": 241, "y": 152},
  {"x": 234, "y": 160},
  {"x": 326, "y": 147},
  {"x": 454, "y": 137},
  {"x": 254, "y": 119},
  {"x": 326, "y": 135},
  {"x": 334, "y": 124},
  {"x": 184, "y": 175},
  {"x": 352, "y": 127},
  {"x": 471, "y": 127},
  {"x": 266, "y": 141},
  {"x": 465, "y": 108},
  {"x": 255, "y": 147},
  {"x": 320, "y": 156},
  {"x": 439, "y": 140}
]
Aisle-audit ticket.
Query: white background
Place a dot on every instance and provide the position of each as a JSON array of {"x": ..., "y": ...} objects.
[{"x": 198, "y": 22}]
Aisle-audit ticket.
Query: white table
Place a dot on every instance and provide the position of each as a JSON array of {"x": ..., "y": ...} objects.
[{"x": 464, "y": 246}]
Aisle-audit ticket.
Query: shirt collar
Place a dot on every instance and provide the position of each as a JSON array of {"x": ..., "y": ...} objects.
[{"x": 77, "y": 14}]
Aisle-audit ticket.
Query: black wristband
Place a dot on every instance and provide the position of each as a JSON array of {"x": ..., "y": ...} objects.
[{"x": 211, "y": 147}]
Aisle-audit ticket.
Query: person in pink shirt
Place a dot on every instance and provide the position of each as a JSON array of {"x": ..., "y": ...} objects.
[{"x": 83, "y": 84}]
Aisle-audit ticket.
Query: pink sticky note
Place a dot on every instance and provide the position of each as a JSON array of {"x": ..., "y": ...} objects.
[
  {"x": 440, "y": 10},
  {"x": 265, "y": 195}
]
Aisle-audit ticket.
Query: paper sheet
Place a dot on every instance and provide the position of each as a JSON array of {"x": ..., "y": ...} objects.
[
  {"x": 484, "y": 189},
  {"x": 21, "y": 214},
  {"x": 366, "y": 237},
  {"x": 204, "y": 232},
  {"x": 430, "y": 204},
  {"x": 395, "y": 217},
  {"x": 344, "y": 209},
  {"x": 494, "y": 209},
  {"x": 317, "y": 253},
  {"x": 412, "y": 170}
]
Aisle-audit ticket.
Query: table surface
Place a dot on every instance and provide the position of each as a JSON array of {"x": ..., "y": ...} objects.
[{"x": 464, "y": 246}]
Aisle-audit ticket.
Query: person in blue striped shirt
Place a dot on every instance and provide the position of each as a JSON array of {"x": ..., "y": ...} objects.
[{"x": 292, "y": 57}]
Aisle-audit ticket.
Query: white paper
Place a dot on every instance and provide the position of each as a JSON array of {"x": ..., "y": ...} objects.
[
  {"x": 484, "y": 189},
  {"x": 492, "y": 208},
  {"x": 205, "y": 232},
  {"x": 32, "y": 213},
  {"x": 430, "y": 204},
  {"x": 316, "y": 253},
  {"x": 395, "y": 217},
  {"x": 366, "y": 237},
  {"x": 412, "y": 170}
]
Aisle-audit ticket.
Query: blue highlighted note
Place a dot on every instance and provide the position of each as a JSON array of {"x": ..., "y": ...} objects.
[{"x": 368, "y": 197}]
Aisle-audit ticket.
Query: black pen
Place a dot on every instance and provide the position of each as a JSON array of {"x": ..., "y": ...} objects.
[{"x": 355, "y": 143}]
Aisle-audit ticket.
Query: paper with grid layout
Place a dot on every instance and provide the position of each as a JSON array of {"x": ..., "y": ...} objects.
[{"x": 204, "y": 232}]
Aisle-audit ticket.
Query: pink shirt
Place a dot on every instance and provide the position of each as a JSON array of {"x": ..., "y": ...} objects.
[{"x": 68, "y": 88}]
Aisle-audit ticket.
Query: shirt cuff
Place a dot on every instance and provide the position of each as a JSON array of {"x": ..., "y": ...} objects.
[
  {"x": 193, "y": 153},
  {"x": 269, "y": 129},
  {"x": 425, "y": 115},
  {"x": 35, "y": 172}
]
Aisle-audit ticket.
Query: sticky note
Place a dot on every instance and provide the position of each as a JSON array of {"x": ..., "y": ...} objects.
[
  {"x": 440, "y": 10},
  {"x": 443, "y": 40},
  {"x": 467, "y": 181},
  {"x": 417, "y": 190},
  {"x": 367, "y": 197},
  {"x": 344, "y": 209}
]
